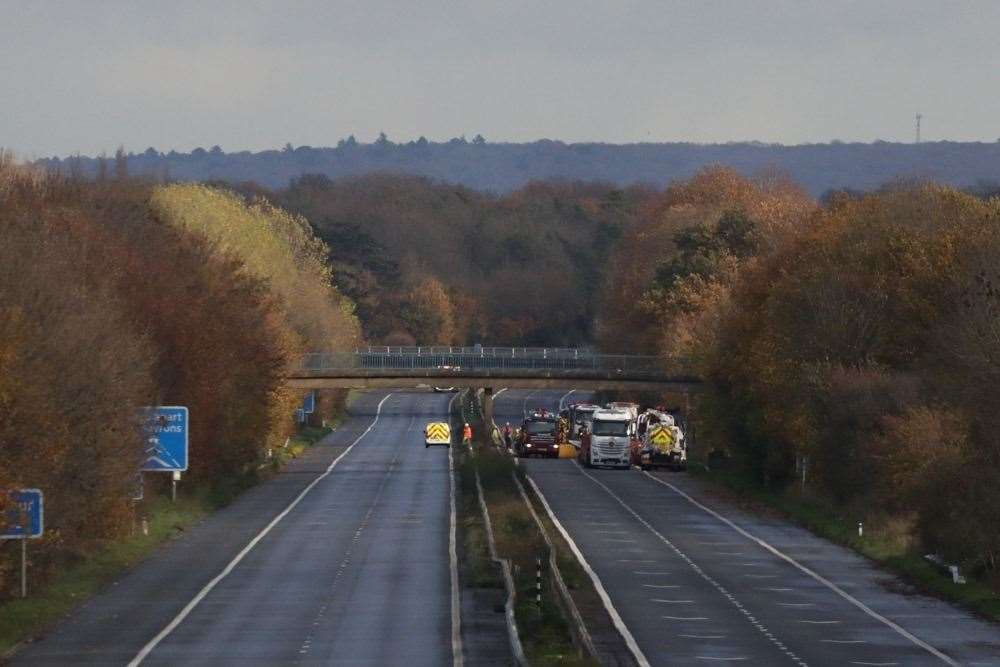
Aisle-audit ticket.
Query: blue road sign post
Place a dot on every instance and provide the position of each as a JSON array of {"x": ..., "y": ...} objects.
[
  {"x": 23, "y": 519},
  {"x": 165, "y": 429}
]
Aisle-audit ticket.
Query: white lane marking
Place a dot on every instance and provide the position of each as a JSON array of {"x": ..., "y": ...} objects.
[
  {"x": 619, "y": 540},
  {"x": 819, "y": 622},
  {"x": 685, "y": 618},
  {"x": 616, "y": 619},
  {"x": 729, "y": 553},
  {"x": 498, "y": 393},
  {"x": 874, "y": 664},
  {"x": 844, "y": 641},
  {"x": 759, "y": 576},
  {"x": 612, "y": 532},
  {"x": 349, "y": 553},
  {"x": 709, "y": 657},
  {"x": 189, "y": 607},
  {"x": 642, "y": 573},
  {"x": 823, "y": 580},
  {"x": 661, "y": 585},
  {"x": 633, "y": 560},
  {"x": 794, "y": 604},
  {"x": 456, "y": 617},
  {"x": 672, "y": 601},
  {"x": 702, "y": 636},
  {"x": 564, "y": 397},
  {"x": 698, "y": 570},
  {"x": 777, "y": 590}
]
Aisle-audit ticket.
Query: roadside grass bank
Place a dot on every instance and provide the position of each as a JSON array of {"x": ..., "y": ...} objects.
[
  {"x": 87, "y": 574},
  {"x": 544, "y": 629},
  {"x": 84, "y": 574},
  {"x": 885, "y": 541}
]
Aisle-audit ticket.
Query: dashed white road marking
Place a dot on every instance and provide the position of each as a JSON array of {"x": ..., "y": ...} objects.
[
  {"x": 795, "y": 604},
  {"x": 697, "y": 568},
  {"x": 802, "y": 620},
  {"x": 634, "y": 560},
  {"x": 721, "y": 659},
  {"x": 874, "y": 664},
  {"x": 643, "y": 574},
  {"x": 702, "y": 636},
  {"x": 843, "y": 641},
  {"x": 661, "y": 586},
  {"x": 826, "y": 582},
  {"x": 685, "y": 618},
  {"x": 672, "y": 601},
  {"x": 777, "y": 589},
  {"x": 189, "y": 607}
]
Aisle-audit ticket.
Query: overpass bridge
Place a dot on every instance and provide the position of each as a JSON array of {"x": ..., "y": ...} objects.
[{"x": 488, "y": 368}]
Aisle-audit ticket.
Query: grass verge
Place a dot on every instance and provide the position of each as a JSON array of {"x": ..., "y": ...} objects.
[
  {"x": 543, "y": 629},
  {"x": 883, "y": 542},
  {"x": 23, "y": 618}
]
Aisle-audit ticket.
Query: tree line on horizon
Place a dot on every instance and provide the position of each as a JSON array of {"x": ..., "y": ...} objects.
[{"x": 502, "y": 167}]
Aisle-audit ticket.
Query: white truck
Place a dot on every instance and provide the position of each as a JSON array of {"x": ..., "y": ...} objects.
[{"x": 608, "y": 441}]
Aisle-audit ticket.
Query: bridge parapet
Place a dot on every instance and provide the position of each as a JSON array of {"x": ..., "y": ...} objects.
[{"x": 481, "y": 362}]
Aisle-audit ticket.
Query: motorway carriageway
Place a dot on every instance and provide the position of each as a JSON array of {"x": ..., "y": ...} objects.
[
  {"x": 356, "y": 571},
  {"x": 695, "y": 581}
]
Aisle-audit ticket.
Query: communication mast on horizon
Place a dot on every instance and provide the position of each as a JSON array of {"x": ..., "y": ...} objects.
[{"x": 919, "y": 117}]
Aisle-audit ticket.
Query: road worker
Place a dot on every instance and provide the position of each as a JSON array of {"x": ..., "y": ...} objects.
[{"x": 467, "y": 434}]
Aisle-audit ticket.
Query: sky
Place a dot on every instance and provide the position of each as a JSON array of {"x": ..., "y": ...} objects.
[{"x": 86, "y": 76}]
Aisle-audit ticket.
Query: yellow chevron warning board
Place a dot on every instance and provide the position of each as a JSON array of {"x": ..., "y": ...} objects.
[
  {"x": 661, "y": 437},
  {"x": 437, "y": 433}
]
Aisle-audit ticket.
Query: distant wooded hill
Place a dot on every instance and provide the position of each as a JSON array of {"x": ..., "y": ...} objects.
[{"x": 502, "y": 167}]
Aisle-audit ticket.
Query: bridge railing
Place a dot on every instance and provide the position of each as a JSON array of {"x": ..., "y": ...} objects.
[{"x": 459, "y": 361}]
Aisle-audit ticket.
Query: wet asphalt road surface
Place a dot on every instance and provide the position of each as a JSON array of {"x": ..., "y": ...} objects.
[
  {"x": 697, "y": 581},
  {"x": 356, "y": 573}
]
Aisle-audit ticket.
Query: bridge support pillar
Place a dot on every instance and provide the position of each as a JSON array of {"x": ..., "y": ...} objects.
[{"x": 488, "y": 406}]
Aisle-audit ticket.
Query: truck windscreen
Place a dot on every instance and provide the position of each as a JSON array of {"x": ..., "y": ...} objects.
[
  {"x": 541, "y": 427},
  {"x": 617, "y": 428}
]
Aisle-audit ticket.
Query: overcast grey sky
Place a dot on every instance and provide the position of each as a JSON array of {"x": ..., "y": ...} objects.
[{"x": 89, "y": 75}]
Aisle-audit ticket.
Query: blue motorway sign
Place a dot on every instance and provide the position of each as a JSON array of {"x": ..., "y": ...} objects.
[
  {"x": 309, "y": 403},
  {"x": 23, "y": 516},
  {"x": 165, "y": 433}
]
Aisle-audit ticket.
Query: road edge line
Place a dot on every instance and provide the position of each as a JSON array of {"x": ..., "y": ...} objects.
[
  {"x": 818, "y": 577},
  {"x": 616, "y": 618},
  {"x": 456, "y": 608},
  {"x": 196, "y": 600}
]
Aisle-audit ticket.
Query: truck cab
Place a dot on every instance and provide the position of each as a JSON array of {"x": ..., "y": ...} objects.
[
  {"x": 580, "y": 415},
  {"x": 608, "y": 440},
  {"x": 538, "y": 436}
]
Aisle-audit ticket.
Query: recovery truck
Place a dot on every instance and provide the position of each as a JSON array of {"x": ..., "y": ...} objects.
[
  {"x": 661, "y": 442},
  {"x": 609, "y": 439}
]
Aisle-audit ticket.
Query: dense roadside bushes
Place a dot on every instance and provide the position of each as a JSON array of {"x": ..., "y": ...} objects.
[
  {"x": 113, "y": 298},
  {"x": 858, "y": 340}
]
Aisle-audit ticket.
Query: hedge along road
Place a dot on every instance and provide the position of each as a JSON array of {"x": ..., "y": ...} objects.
[
  {"x": 697, "y": 581},
  {"x": 345, "y": 563}
]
